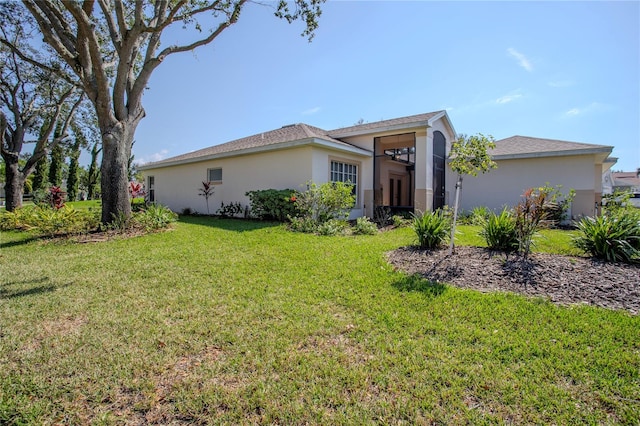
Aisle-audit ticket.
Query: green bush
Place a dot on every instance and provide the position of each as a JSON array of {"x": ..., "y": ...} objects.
[
  {"x": 499, "y": 232},
  {"x": 332, "y": 227},
  {"x": 613, "y": 236},
  {"x": 480, "y": 215},
  {"x": 364, "y": 226},
  {"x": 303, "y": 224},
  {"x": 153, "y": 218},
  {"x": 273, "y": 204},
  {"x": 49, "y": 222},
  {"x": 331, "y": 200},
  {"x": 432, "y": 228}
]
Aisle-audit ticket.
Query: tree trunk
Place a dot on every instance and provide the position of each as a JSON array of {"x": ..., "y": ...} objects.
[
  {"x": 14, "y": 184},
  {"x": 116, "y": 150},
  {"x": 455, "y": 214}
]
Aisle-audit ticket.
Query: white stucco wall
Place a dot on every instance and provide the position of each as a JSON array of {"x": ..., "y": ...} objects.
[
  {"x": 505, "y": 185},
  {"x": 177, "y": 186}
]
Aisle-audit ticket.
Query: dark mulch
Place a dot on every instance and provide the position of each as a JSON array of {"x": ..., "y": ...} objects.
[{"x": 561, "y": 279}]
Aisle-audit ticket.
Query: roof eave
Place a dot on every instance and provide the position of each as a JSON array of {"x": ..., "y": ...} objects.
[
  {"x": 255, "y": 150},
  {"x": 588, "y": 151}
]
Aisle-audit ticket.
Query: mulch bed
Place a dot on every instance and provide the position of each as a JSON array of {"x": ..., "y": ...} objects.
[{"x": 562, "y": 279}]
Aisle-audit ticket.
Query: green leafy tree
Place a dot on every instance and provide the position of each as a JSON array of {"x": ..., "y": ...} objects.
[
  {"x": 33, "y": 100},
  {"x": 55, "y": 166},
  {"x": 93, "y": 174},
  {"x": 40, "y": 179},
  {"x": 73, "y": 178},
  {"x": 469, "y": 156},
  {"x": 114, "y": 47}
]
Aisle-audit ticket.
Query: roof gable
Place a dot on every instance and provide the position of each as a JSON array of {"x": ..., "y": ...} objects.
[{"x": 392, "y": 124}]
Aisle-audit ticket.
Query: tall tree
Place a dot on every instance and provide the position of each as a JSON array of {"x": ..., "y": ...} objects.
[
  {"x": 114, "y": 46},
  {"x": 73, "y": 178},
  {"x": 57, "y": 159},
  {"x": 32, "y": 101},
  {"x": 469, "y": 156},
  {"x": 40, "y": 174},
  {"x": 93, "y": 175}
]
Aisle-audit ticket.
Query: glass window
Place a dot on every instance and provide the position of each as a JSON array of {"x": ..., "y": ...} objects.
[
  {"x": 345, "y": 172},
  {"x": 215, "y": 175}
]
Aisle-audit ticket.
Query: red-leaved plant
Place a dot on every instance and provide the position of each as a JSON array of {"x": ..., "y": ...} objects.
[
  {"x": 206, "y": 191},
  {"x": 56, "y": 197},
  {"x": 529, "y": 215}
]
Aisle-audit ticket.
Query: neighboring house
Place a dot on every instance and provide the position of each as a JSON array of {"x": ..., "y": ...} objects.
[
  {"x": 526, "y": 162},
  {"x": 398, "y": 163},
  {"x": 395, "y": 163},
  {"x": 626, "y": 181}
]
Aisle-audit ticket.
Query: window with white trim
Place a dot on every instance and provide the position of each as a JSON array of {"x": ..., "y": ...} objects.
[
  {"x": 215, "y": 175},
  {"x": 345, "y": 172},
  {"x": 151, "y": 189}
]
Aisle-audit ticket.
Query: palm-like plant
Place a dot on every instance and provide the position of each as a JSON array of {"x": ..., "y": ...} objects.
[{"x": 207, "y": 192}]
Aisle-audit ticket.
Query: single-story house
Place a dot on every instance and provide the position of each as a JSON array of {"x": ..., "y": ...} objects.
[
  {"x": 395, "y": 163},
  {"x": 399, "y": 163},
  {"x": 526, "y": 162}
]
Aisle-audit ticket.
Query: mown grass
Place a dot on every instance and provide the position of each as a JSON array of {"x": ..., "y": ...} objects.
[{"x": 237, "y": 322}]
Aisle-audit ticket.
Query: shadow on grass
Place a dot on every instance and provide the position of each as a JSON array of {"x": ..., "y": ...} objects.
[
  {"x": 33, "y": 286},
  {"x": 238, "y": 225},
  {"x": 19, "y": 242},
  {"x": 419, "y": 284}
]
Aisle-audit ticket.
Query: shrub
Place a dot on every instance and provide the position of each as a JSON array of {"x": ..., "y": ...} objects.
[
  {"x": 154, "y": 217},
  {"x": 529, "y": 214},
  {"x": 331, "y": 200},
  {"x": 480, "y": 215},
  {"x": 50, "y": 222},
  {"x": 229, "y": 210},
  {"x": 613, "y": 236},
  {"x": 273, "y": 204},
  {"x": 364, "y": 226},
  {"x": 499, "y": 232},
  {"x": 332, "y": 227},
  {"x": 556, "y": 204},
  {"x": 303, "y": 224},
  {"x": 432, "y": 228}
]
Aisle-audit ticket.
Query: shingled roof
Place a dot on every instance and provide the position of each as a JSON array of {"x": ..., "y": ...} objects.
[
  {"x": 527, "y": 147},
  {"x": 298, "y": 134},
  {"x": 301, "y": 133},
  {"x": 392, "y": 124}
]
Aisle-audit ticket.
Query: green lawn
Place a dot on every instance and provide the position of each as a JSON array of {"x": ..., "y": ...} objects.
[{"x": 226, "y": 321}]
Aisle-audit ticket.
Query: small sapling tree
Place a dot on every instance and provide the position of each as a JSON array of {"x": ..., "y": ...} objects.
[{"x": 469, "y": 156}]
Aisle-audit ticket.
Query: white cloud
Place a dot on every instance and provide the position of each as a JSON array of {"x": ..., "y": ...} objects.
[
  {"x": 157, "y": 156},
  {"x": 311, "y": 111},
  {"x": 561, "y": 83},
  {"x": 523, "y": 61},
  {"x": 509, "y": 97},
  {"x": 593, "y": 107}
]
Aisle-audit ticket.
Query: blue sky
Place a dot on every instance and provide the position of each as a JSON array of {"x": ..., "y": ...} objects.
[{"x": 558, "y": 70}]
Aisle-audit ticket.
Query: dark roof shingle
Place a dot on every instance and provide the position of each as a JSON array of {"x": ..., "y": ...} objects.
[{"x": 529, "y": 146}]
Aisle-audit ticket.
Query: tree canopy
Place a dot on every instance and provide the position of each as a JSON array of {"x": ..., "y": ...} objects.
[{"x": 113, "y": 47}]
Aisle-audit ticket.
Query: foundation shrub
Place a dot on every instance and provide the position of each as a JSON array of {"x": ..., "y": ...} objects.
[
  {"x": 273, "y": 204},
  {"x": 499, "y": 232},
  {"x": 364, "y": 226},
  {"x": 432, "y": 228},
  {"x": 613, "y": 236}
]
